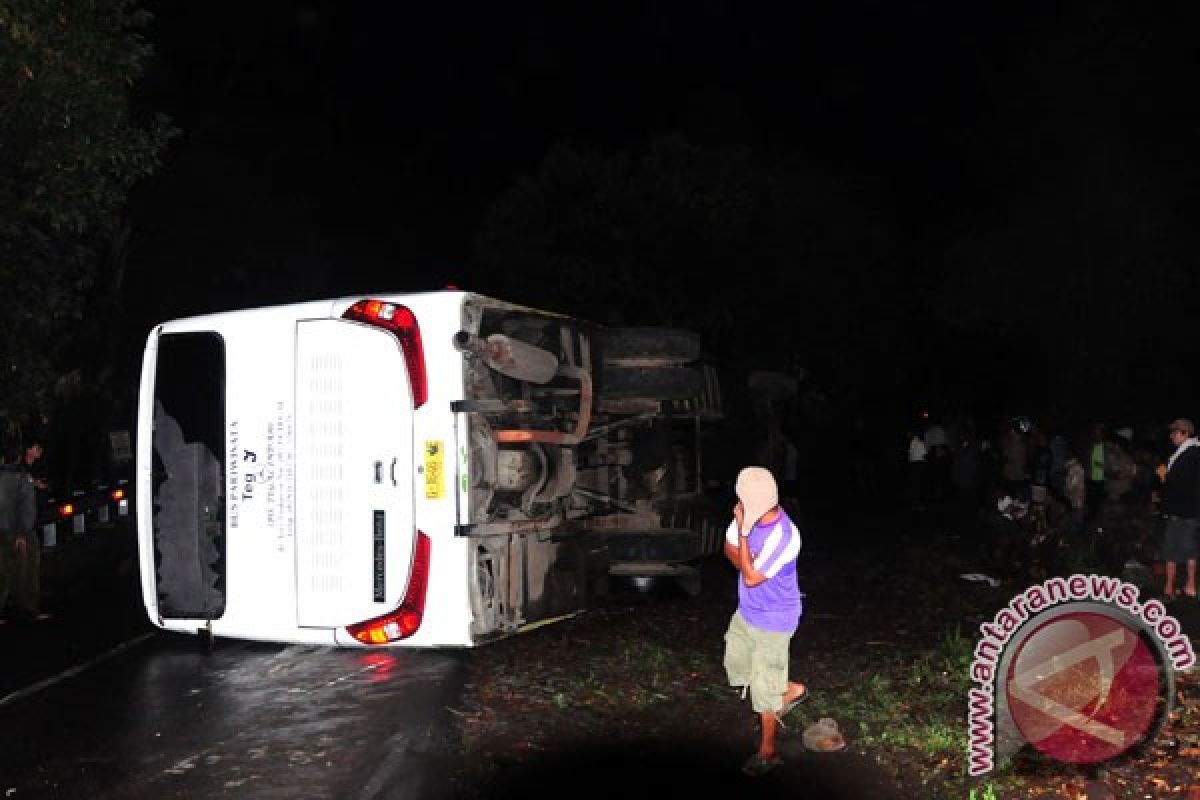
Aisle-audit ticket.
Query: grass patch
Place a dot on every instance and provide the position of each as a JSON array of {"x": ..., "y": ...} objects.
[
  {"x": 915, "y": 710},
  {"x": 918, "y": 706},
  {"x": 985, "y": 792}
]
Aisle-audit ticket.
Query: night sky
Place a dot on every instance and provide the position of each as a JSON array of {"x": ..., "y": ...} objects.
[{"x": 332, "y": 148}]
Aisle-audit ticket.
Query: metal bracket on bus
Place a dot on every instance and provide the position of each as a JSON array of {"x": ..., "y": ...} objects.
[
  {"x": 491, "y": 406},
  {"x": 514, "y": 527}
]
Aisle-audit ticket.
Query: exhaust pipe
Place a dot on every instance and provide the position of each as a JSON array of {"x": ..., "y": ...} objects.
[{"x": 511, "y": 357}]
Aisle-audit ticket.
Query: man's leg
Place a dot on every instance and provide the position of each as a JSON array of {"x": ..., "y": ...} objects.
[
  {"x": 28, "y": 574},
  {"x": 35, "y": 576},
  {"x": 737, "y": 660},
  {"x": 6, "y": 566},
  {"x": 769, "y": 686},
  {"x": 766, "y": 742},
  {"x": 770, "y": 721},
  {"x": 794, "y": 692},
  {"x": 1174, "y": 550},
  {"x": 1192, "y": 550}
]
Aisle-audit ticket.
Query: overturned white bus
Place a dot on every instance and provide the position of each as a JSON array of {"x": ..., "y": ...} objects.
[{"x": 428, "y": 469}]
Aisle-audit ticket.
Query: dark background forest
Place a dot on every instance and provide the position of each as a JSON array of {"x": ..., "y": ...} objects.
[{"x": 980, "y": 207}]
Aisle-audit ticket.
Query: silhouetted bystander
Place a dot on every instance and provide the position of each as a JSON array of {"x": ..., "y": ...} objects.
[
  {"x": 1181, "y": 507},
  {"x": 20, "y": 546}
]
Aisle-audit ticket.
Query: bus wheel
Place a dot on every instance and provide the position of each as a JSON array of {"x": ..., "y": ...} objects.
[{"x": 649, "y": 346}]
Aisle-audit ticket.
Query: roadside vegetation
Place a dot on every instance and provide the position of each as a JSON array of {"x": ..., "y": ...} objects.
[{"x": 886, "y": 647}]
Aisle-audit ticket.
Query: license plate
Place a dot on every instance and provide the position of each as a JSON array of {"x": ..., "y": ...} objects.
[{"x": 434, "y": 469}]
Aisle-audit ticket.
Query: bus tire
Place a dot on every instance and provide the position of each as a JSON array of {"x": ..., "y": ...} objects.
[
  {"x": 659, "y": 383},
  {"x": 649, "y": 346}
]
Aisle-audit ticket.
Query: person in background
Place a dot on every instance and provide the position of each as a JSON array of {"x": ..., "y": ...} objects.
[
  {"x": 1181, "y": 507},
  {"x": 965, "y": 477},
  {"x": 21, "y": 562},
  {"x": 1014, "y": 470},
  {"x": 1119, "y": 469},
  {"x": 762, "y": 543},
  {"x": 1039, "y": 460},
  {"x": 917, "y": 476},
  {"x": 31, "y": 459},
  {"x": 1114, "y": 528},
  {"x": 10, "y": 504},
  {"x": 1094, "y": 470},
  {"x": 1143, "y": 502},
  {"x": 1141, "y": 492},
  {"x": 937, "y": 456},
  {"x": 1060, "y": 450},
  {"x": 1075, "y": 493}
]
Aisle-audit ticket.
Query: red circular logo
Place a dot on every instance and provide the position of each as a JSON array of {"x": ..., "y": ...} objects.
[{"x": 1084, "y": 687}]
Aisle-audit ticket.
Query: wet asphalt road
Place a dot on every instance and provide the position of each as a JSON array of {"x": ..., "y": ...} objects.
[
  {"x": 166, "y": 719},
  {"x": 96, "y": 703}
]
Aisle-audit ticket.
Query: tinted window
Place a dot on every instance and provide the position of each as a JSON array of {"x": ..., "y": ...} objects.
[
  {"x": 190, "y": 385},
  {"x": 189, "y": 475}
]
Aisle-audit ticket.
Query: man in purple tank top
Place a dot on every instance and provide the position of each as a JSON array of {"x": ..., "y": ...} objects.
[{"x": 762, "y": 543}]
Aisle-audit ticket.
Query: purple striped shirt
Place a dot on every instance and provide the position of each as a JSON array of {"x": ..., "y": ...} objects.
[{"x": 775, "y": 604}]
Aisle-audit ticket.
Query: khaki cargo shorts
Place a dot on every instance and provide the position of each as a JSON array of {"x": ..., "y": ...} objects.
[{"x": 757, "y": 659}]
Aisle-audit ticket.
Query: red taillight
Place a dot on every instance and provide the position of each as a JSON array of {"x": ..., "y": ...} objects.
[
  {"x": 66, "y": 510},
  {"x": 404, "y": 621},
  {"x": 118, "y": 494},
  {"x": 402, "y": 323}
]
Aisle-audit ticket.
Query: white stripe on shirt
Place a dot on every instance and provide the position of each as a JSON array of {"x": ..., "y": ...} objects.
[
  {"x": 776, "y": 553},
  {"x": 770, "y": 545},
  {"x": 789, "y": 551}
]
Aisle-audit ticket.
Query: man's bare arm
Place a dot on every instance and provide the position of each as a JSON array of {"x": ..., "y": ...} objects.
[
  {"x": 731, "y": 552},
  {"x": 741, "y": 556},
  {"x": 750, "y": 573}
]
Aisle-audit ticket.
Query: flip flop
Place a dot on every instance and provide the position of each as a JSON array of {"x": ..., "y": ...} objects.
[
  {"x": 756, "y": 765},
  {"x": 790, "y": 707}
]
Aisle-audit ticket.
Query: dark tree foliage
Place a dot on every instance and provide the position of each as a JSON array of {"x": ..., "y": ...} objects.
[
  {"x": 69, "y": 154},
  {"x": 628, "y": 238},
  {"x": 775, "y": 262}
]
